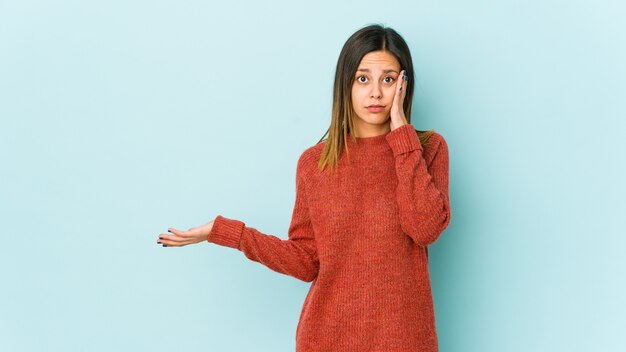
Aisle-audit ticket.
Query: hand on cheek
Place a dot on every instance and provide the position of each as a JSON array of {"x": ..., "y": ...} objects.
[{"x": 397, "y": 110}]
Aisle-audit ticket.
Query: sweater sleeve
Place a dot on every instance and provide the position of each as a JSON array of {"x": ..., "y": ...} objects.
[
  {"x": 296, "y": 256},
  {"x": 422, "y": 191}
]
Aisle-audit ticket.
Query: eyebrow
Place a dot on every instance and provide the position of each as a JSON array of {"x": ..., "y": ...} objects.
[{"x": 384, "y": 71}]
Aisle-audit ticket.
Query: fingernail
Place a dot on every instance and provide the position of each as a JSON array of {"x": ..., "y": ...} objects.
[
  {"x": 159, "y": 242},
  {"x": 169, "y": 231},
  {"x": 164, "y": 245}
]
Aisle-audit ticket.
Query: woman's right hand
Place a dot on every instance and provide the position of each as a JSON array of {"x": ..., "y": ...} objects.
[{"x": 179, "y": 238}]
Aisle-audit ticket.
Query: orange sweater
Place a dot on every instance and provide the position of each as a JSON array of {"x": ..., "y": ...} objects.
[{"x": 360, "y": 236}]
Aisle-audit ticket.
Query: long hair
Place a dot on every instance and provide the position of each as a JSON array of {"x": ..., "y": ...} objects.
[{"x": 367, "y": 39}]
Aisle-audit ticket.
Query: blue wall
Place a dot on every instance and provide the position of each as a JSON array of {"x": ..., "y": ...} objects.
[{"x": 120, "y": 119}]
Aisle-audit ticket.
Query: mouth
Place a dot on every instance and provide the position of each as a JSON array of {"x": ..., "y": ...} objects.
[{"x": 375, "y": 108}]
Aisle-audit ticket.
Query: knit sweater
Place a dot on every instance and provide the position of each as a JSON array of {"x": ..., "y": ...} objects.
[{"x": 361, "y": 236}]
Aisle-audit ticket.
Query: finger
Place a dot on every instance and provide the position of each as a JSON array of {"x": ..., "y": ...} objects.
[
  {"x": 169, "y": 242},
  {"x": 405, "y": 83},
  {"x": 171, "y": 238},
  {"x": 180, "y": 233},
  {"x": 174, "y": 243}
]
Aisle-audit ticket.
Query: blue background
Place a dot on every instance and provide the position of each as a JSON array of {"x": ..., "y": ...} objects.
[{"x": 120, "y": 119}]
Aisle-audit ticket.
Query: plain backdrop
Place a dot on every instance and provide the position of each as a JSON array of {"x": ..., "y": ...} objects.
[{"x": 120, "y": 119}]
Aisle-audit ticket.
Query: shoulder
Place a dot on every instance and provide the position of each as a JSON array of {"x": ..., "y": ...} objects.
[
  {"x": 434, "y": 146},
  {"x": 434, "y": 141},
  {"x": 309, "y": 158}
]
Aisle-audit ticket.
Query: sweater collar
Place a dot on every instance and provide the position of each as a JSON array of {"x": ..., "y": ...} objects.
[{"x": 369, "y": 143}]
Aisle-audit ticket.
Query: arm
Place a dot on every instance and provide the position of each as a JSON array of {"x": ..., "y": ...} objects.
[
  {"x": 422, "y": 191},
  {"x": 295, "y": 257}
]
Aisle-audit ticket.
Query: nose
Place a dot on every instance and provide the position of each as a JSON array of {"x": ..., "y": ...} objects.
[{"x": 376, "y": 91}]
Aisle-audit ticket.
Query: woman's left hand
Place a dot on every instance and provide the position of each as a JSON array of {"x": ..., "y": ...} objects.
[{"x": 397, "y": 110}]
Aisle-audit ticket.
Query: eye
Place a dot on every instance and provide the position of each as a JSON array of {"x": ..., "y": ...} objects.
[{"x": 390, "y": 79}]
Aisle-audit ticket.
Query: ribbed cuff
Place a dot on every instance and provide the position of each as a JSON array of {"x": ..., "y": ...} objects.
[
  {"x": 226, "y": 232},
  {"x": 403, "y": 139}
]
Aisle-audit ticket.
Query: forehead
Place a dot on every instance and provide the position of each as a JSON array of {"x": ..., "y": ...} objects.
[{"x": 379, "y": 61}]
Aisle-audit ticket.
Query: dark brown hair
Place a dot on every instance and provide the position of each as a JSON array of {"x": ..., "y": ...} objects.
[{"x": 367, "y": 39}]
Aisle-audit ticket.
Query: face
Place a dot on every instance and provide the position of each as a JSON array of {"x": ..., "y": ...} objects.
[{"x": 374, "y": 84}]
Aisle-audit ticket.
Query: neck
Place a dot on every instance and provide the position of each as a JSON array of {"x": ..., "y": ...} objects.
[{"x": 367, "y": 130}]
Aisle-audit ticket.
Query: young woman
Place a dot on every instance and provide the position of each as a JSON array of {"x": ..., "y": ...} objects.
[{"x": 370, "y": 199}]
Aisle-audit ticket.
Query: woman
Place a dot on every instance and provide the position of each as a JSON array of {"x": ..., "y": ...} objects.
[{"x": 370, "y": 199}]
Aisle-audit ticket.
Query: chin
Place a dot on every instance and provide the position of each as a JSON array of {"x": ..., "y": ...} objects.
[
  {"x": 373, "y": 118},
  {"x": 380, "y": 120}
]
